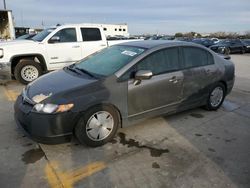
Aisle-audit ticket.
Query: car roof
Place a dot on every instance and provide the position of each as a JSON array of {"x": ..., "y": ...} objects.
[{"x": 148, "y": 44}]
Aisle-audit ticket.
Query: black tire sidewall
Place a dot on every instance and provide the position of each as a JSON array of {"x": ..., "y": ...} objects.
[
  {"x": 19, "y": 67},
  {"x": 208, "y": 105},
  {"x": 80, "y": 129}
]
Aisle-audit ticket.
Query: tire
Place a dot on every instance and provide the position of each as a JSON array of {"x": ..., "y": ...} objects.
[
  {"x": 27, "y": 71},
  {"x": 243, "y": 51},
  {"x": 227, "y": 51},
  {"x": 86, "y": 134},
  {"x": 221, "y": 93}
]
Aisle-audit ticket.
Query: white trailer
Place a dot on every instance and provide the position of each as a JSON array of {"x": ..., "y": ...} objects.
[{"x": 7, "y": 31}]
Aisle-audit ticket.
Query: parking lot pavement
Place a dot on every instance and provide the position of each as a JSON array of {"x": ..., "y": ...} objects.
[{"x": 195, "y": 148}]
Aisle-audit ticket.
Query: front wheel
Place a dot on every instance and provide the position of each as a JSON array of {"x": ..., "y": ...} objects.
[
  {"x": 216, "y": 97},
  {"x": 97, "y": 126},
  {"x": 27, "y": 71}
]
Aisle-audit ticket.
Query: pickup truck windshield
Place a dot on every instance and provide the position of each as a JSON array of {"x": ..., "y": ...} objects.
[
  {"x": 40, "y": 36},
  {"x": 109, "y": 60}
]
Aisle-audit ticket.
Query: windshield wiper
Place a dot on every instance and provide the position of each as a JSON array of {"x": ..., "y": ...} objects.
[
  {"x": 73, "y": 69},
  {"x": 84, "y": 71}
]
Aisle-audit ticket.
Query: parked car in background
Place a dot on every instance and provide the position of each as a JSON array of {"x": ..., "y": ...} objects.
[
  {"x": 26, "y": 36},
  {"x": 215, "y": 40},
  {"x": 203, "y": 41},
  {"x": 119, "y": 85},
  {"x": 229, "y": 46},
  {"x": 51, "y": 49},
  {"x": 246, "y": 43},
  {"x": 185, "y": 39}
]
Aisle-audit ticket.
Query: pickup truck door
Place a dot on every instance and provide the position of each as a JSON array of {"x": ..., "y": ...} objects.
[
  {"x": 93, "y": 40},
  {"x": 63, "y": 48}
]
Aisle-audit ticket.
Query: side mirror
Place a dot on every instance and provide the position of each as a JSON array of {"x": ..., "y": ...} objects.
[
  {"x": 143, "y": 75},
  {"x": 54, "y": 39}
]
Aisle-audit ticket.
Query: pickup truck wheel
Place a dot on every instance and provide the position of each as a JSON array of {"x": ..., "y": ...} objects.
[{"x": 27, "y": 71}]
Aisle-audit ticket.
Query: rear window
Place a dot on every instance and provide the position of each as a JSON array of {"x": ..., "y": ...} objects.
[
  {"x": 91, "y": 34},
  {"x": 196, "y": 57}
]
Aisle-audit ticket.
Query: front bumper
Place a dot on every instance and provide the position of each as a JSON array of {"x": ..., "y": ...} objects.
[
  {"x": 44, "y": 128},
  {"x": 5, "y": 72}
]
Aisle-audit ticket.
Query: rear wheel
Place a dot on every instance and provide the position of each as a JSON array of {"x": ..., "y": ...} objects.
[
  {"x": 243, "y": 51},
  {"x": 97, "y": 126},
  {"x": 227, "y": 51},
  {"x": 27, "y": 71},
  {"x": 216, "y": 97}
]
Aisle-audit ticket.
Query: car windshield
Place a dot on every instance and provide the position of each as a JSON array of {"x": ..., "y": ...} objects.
[
  {"x": 109, "y": 60},
  {"x": 23, "y": 36},
  {"x": 40, "y": 36},
  {"x": 225, "y": 42},
  {"x": 246, "y": 42}
]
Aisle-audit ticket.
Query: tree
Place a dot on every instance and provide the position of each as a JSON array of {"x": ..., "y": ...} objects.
[{"x": 178, "y": 35}]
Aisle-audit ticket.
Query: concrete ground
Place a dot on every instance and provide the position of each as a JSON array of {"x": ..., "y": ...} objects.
[{"x": 195, "y": 148}]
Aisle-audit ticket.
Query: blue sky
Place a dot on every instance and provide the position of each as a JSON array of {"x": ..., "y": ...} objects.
[{"x": 142, "y": 16}]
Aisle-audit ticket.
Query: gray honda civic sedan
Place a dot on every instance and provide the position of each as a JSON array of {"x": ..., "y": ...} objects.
[{"x": 119, "y": 85}]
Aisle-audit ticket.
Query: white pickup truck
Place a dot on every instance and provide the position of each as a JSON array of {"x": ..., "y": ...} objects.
[{"x": 51, "y": 49}]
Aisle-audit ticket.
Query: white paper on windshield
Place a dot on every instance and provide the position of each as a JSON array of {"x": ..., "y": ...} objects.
[{"x": 129, "y": 53}]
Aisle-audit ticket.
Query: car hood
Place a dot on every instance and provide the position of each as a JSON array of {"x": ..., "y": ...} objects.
[
  {"x": 16, "y": 42},
  {"x": 51, "y": 84}
]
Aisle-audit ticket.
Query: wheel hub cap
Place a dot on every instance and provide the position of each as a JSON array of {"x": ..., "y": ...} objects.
[
  {"x": 216, "y": 96},
  {"x": 100, "y": 125},
  {"x": 29, "y": 73}
]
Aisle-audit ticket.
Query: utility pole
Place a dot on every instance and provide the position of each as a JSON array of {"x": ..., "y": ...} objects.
[{"x": 4, "y": 4}]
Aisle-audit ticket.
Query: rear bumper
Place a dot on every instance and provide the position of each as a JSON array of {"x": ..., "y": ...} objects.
[
  {"x": 5, "y": 72},
  {"x": 230, "y": 85},
  {"x": 44, "y": 128}
]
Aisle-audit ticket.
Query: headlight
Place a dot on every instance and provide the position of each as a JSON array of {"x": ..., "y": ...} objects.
[
  {"x": 1, "y": 53},
  {"x": 52, "y": 108}
]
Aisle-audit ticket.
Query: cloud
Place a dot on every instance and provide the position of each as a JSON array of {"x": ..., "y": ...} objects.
[{"x": 142, "y": 16}]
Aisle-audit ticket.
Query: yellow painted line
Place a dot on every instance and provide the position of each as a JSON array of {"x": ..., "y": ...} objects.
[
  {"x": 58, "y": 179},
  {"x": 52, "y": 177},
  {"x": 10, "y": 94}
]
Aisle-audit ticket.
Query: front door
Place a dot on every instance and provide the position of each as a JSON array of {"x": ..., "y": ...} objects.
[
  {"x": 163, "y": 90},
  {"x": 65, "y": 51}
]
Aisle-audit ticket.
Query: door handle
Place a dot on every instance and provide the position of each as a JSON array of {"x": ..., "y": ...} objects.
[
  {"x": 208, "y": 71},
  {"x": 173, "y": 80},
  {"x": 103, "y": 45},
  {"x": 76, "y": 46}
]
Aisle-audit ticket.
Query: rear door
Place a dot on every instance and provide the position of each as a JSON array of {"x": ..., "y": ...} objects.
[
  {"x": 199, "y": 73},
  {"x": 163, "y": 90},
  {"x": 92, "y": 41}
]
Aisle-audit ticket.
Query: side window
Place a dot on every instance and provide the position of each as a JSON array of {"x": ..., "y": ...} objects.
[
  {"x": 166, "y": 60},
  {"x": 194, "y": 57},
  {"x": 67, "y": 35},
  {"x": 91, "y": 34},
  {"x": 210, "y": 58}
]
